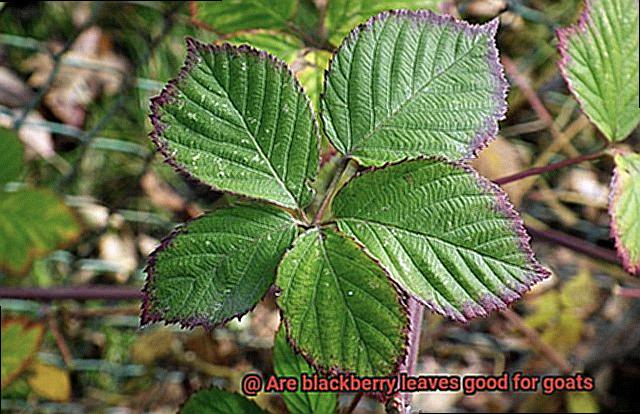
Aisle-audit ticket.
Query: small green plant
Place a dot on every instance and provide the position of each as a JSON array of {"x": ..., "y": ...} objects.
[{"x": 408, "y": 98}]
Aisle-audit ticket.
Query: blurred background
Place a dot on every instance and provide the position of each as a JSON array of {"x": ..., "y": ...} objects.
[{"x": 75, "y": 83}]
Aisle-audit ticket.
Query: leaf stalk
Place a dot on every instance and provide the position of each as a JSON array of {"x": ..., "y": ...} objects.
[{"x": 331, "y": 190}]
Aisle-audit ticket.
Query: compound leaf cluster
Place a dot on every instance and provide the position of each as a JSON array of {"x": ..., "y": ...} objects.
[{"x": 411, "y": 93}]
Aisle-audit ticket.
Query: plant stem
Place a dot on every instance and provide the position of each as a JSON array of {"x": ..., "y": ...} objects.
[
  {"x": 72, "y": 292},
  {"x": 328, "y": 195},
  {"x": 528, "y": 92},
  {"x": 536, "y": 341},
  {"x": 550, "y": 167},
  {"x": 627, "y": 292},
  {"x": 354, "y": 403},
  {"x": 574, "y": 243},
  {"x": 401, "y": 403}
]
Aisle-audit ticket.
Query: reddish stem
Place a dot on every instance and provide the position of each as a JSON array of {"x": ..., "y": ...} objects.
[
  {"x": 528, "y": 92},
  {"x": 574, "y": 243},
  {"x": 72, "y": 292},
  {"x": 626, "y": 292},
  {"x": 547, "y": 168},
  {"x": 354, "y": 403}
]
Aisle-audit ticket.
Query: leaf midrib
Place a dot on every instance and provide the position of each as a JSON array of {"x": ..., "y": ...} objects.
[
  {"x": 438, "y": 238},
  {"x": 409, "y": 99},
  {"x": 344, "y": 301},
  {"x": 253, "y": 138},
  {"x": 226, "y": 256}
]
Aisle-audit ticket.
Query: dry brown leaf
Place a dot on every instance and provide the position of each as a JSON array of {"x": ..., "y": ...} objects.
[
  {"x": 36, "y": 138},
  {"x": 161, "y": 194},
  {"x": 89, "y": 67},
  {"x": 50, "y": 382},
  {"x": 147, "y": 244},
  {"x": 13, "y": 91},
  {"x": 121, "y": 252}
]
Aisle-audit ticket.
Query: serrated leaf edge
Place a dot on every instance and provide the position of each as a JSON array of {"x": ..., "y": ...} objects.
[
  {"x": 402, "y": 301},
  {"x": 564, "y": 35},
  {"x": 149, "y": 316},
  {"x": 490, "y": 130},
  {"x": 471, "y": 310},
  {"x": 168, "y": 95},
  {"x": 614, "y": 232}
]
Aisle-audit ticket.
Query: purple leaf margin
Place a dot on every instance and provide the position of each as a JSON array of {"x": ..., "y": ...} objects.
[
  {"x": 168, "y": 95},
  {"x": 614, "y": 231},
  {"x": 489, "y": 130},
  {"x": 489, "y": 303}
]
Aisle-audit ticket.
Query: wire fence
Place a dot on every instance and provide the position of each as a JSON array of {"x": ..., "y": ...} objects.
[{"x": 89, "y": 139}]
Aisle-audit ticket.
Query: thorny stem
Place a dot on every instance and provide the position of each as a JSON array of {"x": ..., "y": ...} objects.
[
  {"x": 328, "y": 195},
  {"x": 550, "y": 167}
]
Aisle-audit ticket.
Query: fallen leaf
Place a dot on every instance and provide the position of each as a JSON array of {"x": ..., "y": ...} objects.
[
  {"x": 21, "y": 339},
  {"x": 88, "y": 68},
  {"x": 50, "y": 382},
  {"x": 161, "y": 194},
  {"x": 36, "y": 138},
  {"x": 13, "y": 91},
  {"x": 119, "y": 250}
]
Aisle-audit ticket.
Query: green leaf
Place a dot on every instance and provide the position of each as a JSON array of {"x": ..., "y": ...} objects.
[
  {"x": 21, "y": 340},
  {"x": 216, "y": 267},
  {"x": 600, "y": 64},
  {"x": 624, "y": 209},
  {"x": 281, "y": 45},
  {"x": 340, "y": 308},
  {"x": 288, "y": 363},
  {"x": 33, "y": 222},
  {"x": 10, "y": 157},
  {"x": 445, "y": 233},
  {"x": 344, "y": 15},
  {"x": 237, "y": 119},
  {"x": 217, "y": 401},
  {"x": 233, "y": 15},
  {"x": 414, "y": 83}
]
